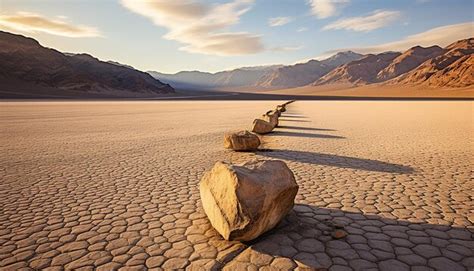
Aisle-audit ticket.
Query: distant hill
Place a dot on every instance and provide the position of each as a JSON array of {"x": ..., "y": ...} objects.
[
  {"x": 25, "y": 61},
  {"x": 247, "y": 76}
]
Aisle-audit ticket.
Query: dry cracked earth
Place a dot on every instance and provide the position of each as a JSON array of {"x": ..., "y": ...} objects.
[{"x": 114, "y": 185}]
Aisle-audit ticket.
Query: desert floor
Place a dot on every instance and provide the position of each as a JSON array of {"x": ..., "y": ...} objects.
[{"x": 115, "y": 184}]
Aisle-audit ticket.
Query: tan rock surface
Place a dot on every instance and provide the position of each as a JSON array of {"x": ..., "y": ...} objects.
[
  {"x": 271, "y": 117},
  {"x": 281, "y": 108},
  {"x": 241, "y": 141},
  {"x": 244, "y": 201},
  {"x": 262, "y": 126}
]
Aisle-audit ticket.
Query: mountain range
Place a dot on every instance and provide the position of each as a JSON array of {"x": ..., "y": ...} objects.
[
  {"x": 431, "y": 66},
  {"x": 264, "y": 76},
  {"x": 23, "y": 60}
]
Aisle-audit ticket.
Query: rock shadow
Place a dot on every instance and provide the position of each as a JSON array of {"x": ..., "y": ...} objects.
[
  {"x": 300, "y": 134},
  {"x": 305, "y": 128},
  {"x": 372, "y": 242},
  {"x": 295, "y": 120},
  {"x": 334, "y": 160},
  {"x": 293, "y": 116}
]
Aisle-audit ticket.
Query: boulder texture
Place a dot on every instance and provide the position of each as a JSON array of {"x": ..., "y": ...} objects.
[
  {"x": 244, "y": 201},
  {"x": 262, "y": 126},
  {"x": 241, "y": 141},
  {"x": 271, "y": 117}
]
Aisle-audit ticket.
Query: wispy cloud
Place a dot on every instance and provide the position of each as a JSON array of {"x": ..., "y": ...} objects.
[
  {"x": 441, "y": 36},
  {"x": 32, "y": 23},
  {"x": 374, "y": 20},
  {"x": 287, "y": 48},
  {"x": 302, "y": 29},
  {"x": 279, "y": 21},
  {"x": 201, "y": 27},
  {"x": 326, "y": 8}
]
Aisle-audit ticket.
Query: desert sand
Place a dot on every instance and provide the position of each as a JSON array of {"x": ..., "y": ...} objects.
[{"x": 115, "y": 184}]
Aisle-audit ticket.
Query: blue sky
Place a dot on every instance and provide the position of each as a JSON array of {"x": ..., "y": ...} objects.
[{"x": 170, "y": 36}]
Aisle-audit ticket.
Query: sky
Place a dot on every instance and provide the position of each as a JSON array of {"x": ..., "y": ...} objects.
[{"x": 215, "y": 35}]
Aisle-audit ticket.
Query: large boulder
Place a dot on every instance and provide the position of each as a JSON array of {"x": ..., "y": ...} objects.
[
  {"x": 262, "y": 126},
  {"x": 271, "y": 117},
  {"x": 241, "y": 141},
  {"x": 244, "y": 201}
]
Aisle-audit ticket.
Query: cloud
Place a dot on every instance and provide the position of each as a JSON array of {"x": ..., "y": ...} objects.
[
  {"x": 374, "y": 20},
  {"x": 287, "y": 48},
  {"x": 279, "y": 21},
  {"x": 202, "y": 28},
  {"x": 326, "y": 8},
  {"x": 32, "y": 23},
  {"x": 302, "y": 29},
  {"x": 441, "y": 36}
]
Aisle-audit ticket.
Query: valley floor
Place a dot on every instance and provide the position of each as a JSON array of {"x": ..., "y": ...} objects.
[{"x": 115, "y": 184}]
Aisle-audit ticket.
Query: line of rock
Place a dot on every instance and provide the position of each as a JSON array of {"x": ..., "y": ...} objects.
[
  {"x": 247, "y": 141},
  {"x": 244, "y": 201}
]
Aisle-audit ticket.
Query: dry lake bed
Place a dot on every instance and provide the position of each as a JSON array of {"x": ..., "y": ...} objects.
[{"x": 113, "y": 185}]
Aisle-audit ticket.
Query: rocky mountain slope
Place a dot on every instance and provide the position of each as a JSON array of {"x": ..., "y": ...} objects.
[
  {"x": 305, "y": 73},
  {"x": 452, "y": 68},
  {"x": 362, "y": 71},
  {"x": 24, "y": 60},
  {"x": 408, "y": 61}
]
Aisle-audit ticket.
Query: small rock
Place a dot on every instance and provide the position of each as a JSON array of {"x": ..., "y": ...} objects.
[
  {"x": 244, "y": 201},
  {"x": 281, "y": 108},
  {"x": 338, "y": 234},
  {"x": 262, "y": 126},
  {"x": 271, "y": 117},
  {"x": 241, "y": 141}
]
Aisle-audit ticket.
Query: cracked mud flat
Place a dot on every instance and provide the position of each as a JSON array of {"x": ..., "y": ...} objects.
[{"x": 111, "y": 185}]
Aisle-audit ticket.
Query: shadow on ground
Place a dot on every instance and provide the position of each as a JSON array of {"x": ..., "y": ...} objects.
[
  {"x": 372, "y": 242},
  {"x": 294, "y": 116},
  {"x": 336, "y": 161},
  {"x": 305, "y": 128},
  {"x": 300, "y": 134},
  {"x": 295, "y": 120}
]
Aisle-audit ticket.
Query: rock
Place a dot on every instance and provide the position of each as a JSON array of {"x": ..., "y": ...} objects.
[
  {"x": 281, "y": 108},
  {"x": 272, "y": 117},
  {"x": 338, "y": 234},
  {"x": 244, "y": 201},
  {"x": 262, "y": 126},
  {"x": 241, "y": 141}
]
